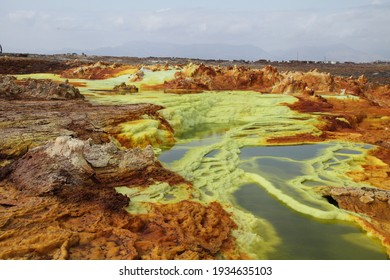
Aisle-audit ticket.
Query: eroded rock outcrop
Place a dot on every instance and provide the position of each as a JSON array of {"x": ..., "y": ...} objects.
[
  {"x": 202, "y": 77},
  {"x": 97, "y": 71},
  {"x": 30, "y": 89},
  {"x": 123, "y": 88},
  {"x": 379, "y": 95},
  {"x": 358, "y": 120},
  {"x": 372, "y": 204},
  {"x": 137, "y": 76},
  {"x": 194, "y": 77},
  {"x": 69, "y": 162}
]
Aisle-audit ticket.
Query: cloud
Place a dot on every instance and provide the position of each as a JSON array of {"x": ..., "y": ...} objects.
[
  {"x": 363, "y": 27},
  {"x": 21, "y": 15},
  {"x": 116, "y": 20},
  {"x": 164, "y": 10}
]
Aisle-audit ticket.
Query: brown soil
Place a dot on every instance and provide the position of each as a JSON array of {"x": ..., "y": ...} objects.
[{"x": 12, "y": 65}]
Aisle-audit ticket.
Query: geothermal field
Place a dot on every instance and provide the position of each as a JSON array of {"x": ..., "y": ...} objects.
[{"x": 159, "y": 158}]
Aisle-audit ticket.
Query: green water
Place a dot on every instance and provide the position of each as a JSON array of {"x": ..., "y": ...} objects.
[
  {"x": 306, "y": 238},
  {"x": 269, "y": 190},
  {"x": 301, "y": 236}
]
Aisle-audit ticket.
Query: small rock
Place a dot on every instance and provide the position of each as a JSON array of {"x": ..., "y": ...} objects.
[
  {"x": 99, "y": 155},
  {"x": 126, "y": 88},
  {"x": 366, "y": 199},
  {"x": 381, "y": 196},
  {"x": 339, "y": 192},
  {"x": 357, "y": 193}
]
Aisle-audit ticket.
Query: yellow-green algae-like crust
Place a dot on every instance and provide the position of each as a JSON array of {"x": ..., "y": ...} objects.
[
  {"x": 94, "y": 86},
  {"x": 327, "y": 168},
  {"x": 143, "y": 132},
  {"x": 141, "y": 197},
  {"x": 217, "y": 178}
]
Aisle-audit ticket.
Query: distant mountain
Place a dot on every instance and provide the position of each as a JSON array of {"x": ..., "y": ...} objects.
[
  {"x": 339, "y": 52},
  {"x": 202, "y": 51}
]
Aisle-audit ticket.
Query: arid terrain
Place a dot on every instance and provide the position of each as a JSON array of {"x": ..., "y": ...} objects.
[
  {"x": 62, "y": 156},
  {"x": 378, "y": 72}
]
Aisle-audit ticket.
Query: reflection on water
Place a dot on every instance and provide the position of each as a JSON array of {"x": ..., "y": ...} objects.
[{"x": 295, "y": 152}]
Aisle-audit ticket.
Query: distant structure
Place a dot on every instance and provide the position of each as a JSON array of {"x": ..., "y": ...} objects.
[{"x": 1, "y": 49}]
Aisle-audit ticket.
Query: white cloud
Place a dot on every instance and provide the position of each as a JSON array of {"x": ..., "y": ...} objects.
[
  {"x": 116, "y": 20},
  {"x": 21, "y": 15},
  {"x": 164, "y": 10}
]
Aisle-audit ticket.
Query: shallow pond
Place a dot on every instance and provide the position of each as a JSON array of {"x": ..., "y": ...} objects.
[{"x": 301, "y": 236}]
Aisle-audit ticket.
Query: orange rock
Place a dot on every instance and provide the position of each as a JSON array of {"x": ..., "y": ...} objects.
[
  {"x": 369, "y": 202},
  {"x": 97, "y": 71},
  {"x": 269, "y": 79}
]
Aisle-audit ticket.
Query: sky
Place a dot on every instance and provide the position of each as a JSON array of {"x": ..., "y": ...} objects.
[{"x": 49, "y": 25}]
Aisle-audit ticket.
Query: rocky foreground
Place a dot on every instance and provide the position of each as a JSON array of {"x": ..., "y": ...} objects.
[
  {"x": 61, "y": 157},
  {"x": 58, "y": 202},
  {"x": 57, "y": 198}
]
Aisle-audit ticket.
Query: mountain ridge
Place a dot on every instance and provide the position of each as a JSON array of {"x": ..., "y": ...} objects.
[{"x": 338, "y": 52}]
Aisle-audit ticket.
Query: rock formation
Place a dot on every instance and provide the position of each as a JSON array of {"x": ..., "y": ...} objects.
[
  {"x": 137, "y": 76},
  {"x": 97, "y": 71},
  {"x": 68, "y": 163},
  {"x": 202, "y": 77},
  {"x": 123, "y": 88},
  {"x": 30, "y": 89},
  {"x": 370, "y": 203},
  {"x": 194, "y": 77}
]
